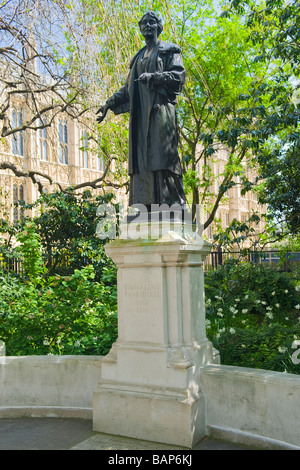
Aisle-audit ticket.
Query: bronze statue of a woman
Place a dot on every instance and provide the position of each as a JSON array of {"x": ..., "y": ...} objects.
[{"x": 155, "y": 79}]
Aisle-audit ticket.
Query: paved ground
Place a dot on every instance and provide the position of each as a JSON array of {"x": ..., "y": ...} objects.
[{"x": 77, "y": 434}]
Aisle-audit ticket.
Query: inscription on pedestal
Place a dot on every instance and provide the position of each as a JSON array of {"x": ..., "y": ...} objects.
[{"x": 141, "y": 295}]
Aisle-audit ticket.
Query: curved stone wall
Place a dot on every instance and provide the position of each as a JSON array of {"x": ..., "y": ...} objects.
[
  {"x": 48, "y": 385},
  {"x": 252, "y": 406},
  {"x": 249, "y": 406}
]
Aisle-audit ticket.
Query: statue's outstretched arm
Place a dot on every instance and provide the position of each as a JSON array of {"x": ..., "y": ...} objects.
[
  {"x": 116, "y": 103},
  {"x": 103, "y": 110}
]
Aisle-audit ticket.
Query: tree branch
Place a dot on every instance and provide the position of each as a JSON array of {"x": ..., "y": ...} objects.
[{"x": 96, "y": 184}]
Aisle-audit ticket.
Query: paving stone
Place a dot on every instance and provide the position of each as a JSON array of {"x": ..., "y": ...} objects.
[{"x": 78, "y": 434}]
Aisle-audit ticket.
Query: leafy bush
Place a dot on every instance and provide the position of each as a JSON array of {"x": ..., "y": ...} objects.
[
  {"x": 252, "y": 315},
  {"x": 269, "y": 347},
  {"x": 42, "y": 314},
  {"x": 63, "y": 315},
  {"x": 65, "y": 302},
  {"x": 31, "y": 251},
  {"x": 63, "y": 231}
]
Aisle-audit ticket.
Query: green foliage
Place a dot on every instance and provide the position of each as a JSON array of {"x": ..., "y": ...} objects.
[
  {"x": 252, "y": 315},
  {"x": 274, "y": 27},
  {"x": 269, "y": 348},
  {"x": 31, "y": 251},
  {"x": 217, "y": 110},
  {"x": 286, "y": 249},
  {"x": 282, "y": 191},
  {"x": 65, "y": 229},
  {"x": 67, "y": 315},
  {"x": 237, "y": 233},
  {"x": 65, "y": 301}
]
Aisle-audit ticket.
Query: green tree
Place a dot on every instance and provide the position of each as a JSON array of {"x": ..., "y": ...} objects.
[
  {"x": 274, "y": 26},
  {"x": 213, "y": 117},
  {"x": 30, "y": 249},
  {"x": 65, "y": 299},
  {"x": 67, "y": 227},
  {"x": 63, "y": 234}
]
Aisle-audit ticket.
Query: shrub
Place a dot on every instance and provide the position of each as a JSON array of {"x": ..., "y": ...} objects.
[
  {"x": 269, "y": 347},
  {"x": 65, "y": 315},
  {"x": 45, "y": 312},
  {"x": 252, "y": 315}
]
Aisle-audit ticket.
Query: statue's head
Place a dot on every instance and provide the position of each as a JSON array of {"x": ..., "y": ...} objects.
[{"x": 153, "y": 16}]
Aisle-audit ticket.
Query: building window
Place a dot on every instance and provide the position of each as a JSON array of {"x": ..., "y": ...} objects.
[
  {"x": 227, "y": 220},
  {"x": 101, "y": 164},
  {"x": 17, "y": 138},
  {"x": 42, "y": 141},
  {"x": 100, "y": 159},
  {"x": 18, "y": 196},
  {"x": 209, "y": 232},
  {"x": 63, "y": 142},
  {"x": 84, "y": 150}
]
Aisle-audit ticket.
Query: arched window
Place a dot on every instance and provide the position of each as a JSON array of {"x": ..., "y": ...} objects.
[
  {"x": 18, "y": 196},
  {"x": 21, "y": 198},
  {"x": 85, "y": 155},
  {"x": 63, "y": 141},
  {"x": 101, "y": 163},
  {"x": 17, "y": 138},
  {"x": 15, "y": 200},
  {"x": 42, "y": 141}
]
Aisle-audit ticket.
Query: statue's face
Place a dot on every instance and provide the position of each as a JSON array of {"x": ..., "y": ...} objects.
[{"x": 149, "y": 27}]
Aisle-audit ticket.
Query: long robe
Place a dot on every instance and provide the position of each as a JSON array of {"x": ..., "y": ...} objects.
[{"x": 154, "y": 166}]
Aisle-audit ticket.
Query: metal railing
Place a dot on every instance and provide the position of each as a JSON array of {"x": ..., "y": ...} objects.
[
  {"x": 215, "y": 259},
  {"x": 269, "y": 257},
  {"x": 11, "y": 263}
]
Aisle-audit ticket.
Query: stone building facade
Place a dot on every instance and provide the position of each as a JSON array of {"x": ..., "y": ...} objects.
[
  {"x": 233, "y": 205},
  {"x": 61, "y": 151}
]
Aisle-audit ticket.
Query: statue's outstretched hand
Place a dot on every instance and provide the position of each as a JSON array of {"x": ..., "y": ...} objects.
[{"x": 103, "y": 110}]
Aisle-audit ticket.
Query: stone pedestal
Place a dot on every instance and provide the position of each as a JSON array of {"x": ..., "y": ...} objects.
[{"x": 150, "y": 386}]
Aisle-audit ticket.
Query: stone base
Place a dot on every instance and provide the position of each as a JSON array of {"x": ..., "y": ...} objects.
[{"x": 155, "y": 415}]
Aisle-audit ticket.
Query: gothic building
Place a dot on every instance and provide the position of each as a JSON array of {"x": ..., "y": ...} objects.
[{"x": 61, "y": 151}]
